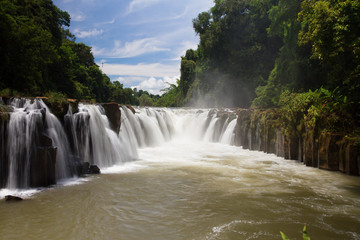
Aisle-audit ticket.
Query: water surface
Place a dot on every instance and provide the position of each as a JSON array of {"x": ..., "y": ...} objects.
[{"x": 192, "y": 190}]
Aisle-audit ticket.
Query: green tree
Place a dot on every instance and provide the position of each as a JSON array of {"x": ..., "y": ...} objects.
[
  {"x": 145, "y": 100},
  {"x": 333, "y": 29},
  {"x": 235, "y": 52},
  {"x": 294, "y": 69}
]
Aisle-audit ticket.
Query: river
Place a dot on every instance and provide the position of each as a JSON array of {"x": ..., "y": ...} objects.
[{"x": 188, "y": 188}]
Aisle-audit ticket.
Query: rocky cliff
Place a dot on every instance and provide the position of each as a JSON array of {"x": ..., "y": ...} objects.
[{"x": 264, "y": 130}]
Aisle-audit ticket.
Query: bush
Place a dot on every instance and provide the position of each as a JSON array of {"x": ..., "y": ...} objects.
[{"x": 56, "y": 98}]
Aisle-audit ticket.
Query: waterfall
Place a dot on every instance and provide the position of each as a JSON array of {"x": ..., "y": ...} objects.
[
  {"x": 28, "y": 125},
  {"x": 93, "y": 139},
  {"x": 161, "y": 125},
  {"x": 35, "y": 140},
  {"x": 228, "y": 136},
  {"x": 23, "y": 126},
  {"x": 56, "y": 132}
]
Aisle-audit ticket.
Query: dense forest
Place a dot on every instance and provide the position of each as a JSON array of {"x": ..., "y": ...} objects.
[
  {"x": 252, "y": 51},
  {"x": 257, "y": 53},
  {"x": 300, "y": 57},
  {"x": 40, "y": 57}
]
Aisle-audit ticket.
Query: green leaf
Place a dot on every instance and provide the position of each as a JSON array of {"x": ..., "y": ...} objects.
[
  {"x": 305, "y": 235},
  {"x": 284, "y": 237}
]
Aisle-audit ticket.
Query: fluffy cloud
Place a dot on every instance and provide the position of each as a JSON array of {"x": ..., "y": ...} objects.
[
  {"x": 85, "y": 34},
  {"x": 141, "y": 69},
  {"x": 148, "y": 77},
  {"x": 155, "y": 85}
]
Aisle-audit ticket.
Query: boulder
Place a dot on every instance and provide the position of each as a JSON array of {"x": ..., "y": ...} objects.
[
  {"x": 94, "y": 169},
  {"x": 10, "y": 198},
  {"x": 113, "y": 113},
  {"x": 85, "y": 168}
]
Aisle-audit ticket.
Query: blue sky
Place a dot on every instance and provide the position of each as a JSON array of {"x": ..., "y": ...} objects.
[{"x": 137, "y": 42}]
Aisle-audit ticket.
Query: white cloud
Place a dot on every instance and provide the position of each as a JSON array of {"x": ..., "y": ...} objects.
[
  {"x": 152, "y": 83},
  {"x": 155, "y": 85},
  {"x": 133, "y": 49},
  {"x": 181, "y": 51},
  {"x": 85, "y": 34},
  {"x": 77, "y": 17},
  {"x": 148, "y": 77},
  {"x": 130, "y": 80},
  {"x": 141, "y": 69},
  {"x": 136, "y": 5},
  {"x": 97, "y": 51}
]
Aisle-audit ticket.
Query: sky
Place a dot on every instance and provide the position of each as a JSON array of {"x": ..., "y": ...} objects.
[{"x": 137, "y": 42}]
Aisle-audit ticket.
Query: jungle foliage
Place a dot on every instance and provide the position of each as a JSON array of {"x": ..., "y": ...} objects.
[
  {"x": 39, "y": 56},
  {"x": 252, "y": 51}
]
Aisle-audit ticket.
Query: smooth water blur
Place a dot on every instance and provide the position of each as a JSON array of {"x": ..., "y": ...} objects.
[{"x": 192, "y": 190}]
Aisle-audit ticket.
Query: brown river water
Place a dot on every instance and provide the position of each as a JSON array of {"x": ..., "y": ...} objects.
[{"x": 191, "y": 190}]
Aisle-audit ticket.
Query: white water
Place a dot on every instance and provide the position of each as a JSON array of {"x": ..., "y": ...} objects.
[
  {"x": 187, "y": 183},
  {"x": 26, "y": 122},
  {"x": 93, "y": 141}
]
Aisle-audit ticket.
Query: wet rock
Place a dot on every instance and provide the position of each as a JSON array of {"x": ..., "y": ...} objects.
[
  {"x": 131, "y": 108},
  {"x": 199, "y": 111},
  {"x": 349, "y": 156},
  {"x": 85, "y": 168},
  {"x": 10, "y": 198},
  {"x": 82, "y": 168},
  {"x": 112, "y": 111},
  {"x": 211, "y": 113},
  {"x": 310, "y": 149},
  {"x": 42, "y": 166},
  {"x": 3, "y": 150},
  {"x": 45, "y": 141},
  {"x": 326, "y": 150},
  {"x": 329, "y": 151},
  {"x": 294, "y": 148},
  {"x": 94, "y": 169},
  {"x": 242, "y": 128}
]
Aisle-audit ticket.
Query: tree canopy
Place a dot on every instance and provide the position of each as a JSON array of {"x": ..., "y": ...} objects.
[
  {"x": 39, "y": 55},
  {"x": 251, "y": 51}
]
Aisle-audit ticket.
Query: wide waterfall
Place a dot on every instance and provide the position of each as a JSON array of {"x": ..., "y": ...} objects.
[
  {"x": 167, "y": 173},
  {"x": 35, "y": 136}
]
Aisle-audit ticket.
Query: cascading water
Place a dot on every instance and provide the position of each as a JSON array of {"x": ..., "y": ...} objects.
[
  {"x": 87, "y": 136},
  {"x": 28, "y": 123},
  {"x": 56, "y": 132},
  {"x": 228, "y": 135},
  {"x": 24, "y": 125},
  {"x": 160, "y": 125},
  {"x": 94, "y": 141}
]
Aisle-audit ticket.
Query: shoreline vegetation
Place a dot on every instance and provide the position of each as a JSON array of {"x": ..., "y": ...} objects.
[{"x": 294, "y": 64}]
